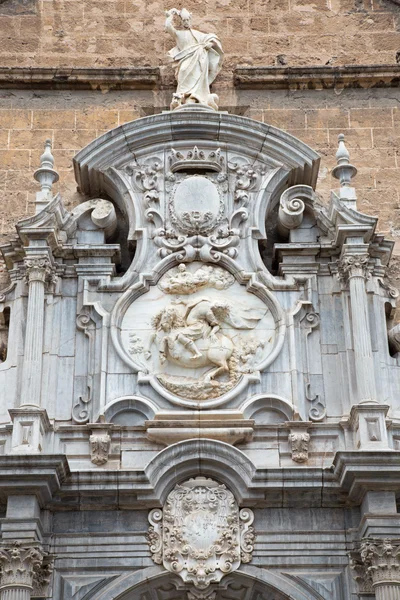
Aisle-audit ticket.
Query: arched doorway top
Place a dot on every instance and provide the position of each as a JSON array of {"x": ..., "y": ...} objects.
[{"x": 248, "y": 582}]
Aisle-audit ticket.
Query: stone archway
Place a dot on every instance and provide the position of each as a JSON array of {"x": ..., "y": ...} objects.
[{"x": 249, "y": 583}]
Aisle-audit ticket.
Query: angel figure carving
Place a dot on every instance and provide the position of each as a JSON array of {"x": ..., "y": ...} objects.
[
  {"x": 198, "y": 59},
  {"x": 193, "y": 337}
]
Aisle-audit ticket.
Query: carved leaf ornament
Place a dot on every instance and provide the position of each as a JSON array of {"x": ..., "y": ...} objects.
[{"x": 200, "y": 534}]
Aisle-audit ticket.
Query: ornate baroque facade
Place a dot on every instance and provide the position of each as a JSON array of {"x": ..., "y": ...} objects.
[{"x": 199, "y": 368}]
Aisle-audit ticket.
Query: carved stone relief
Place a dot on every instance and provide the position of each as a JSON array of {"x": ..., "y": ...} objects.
[
  {"x": 26, "y": 566},
  {"x": 100, "y": 444},
  {"x": 82, "y": 407},
  {"x": 299, "y": 439},
  {"x": 201, "y": 534},
  {"x": 199, "y": 332}
]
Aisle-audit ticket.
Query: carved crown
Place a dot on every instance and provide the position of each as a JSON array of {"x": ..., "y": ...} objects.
[{"x": 196, "y": 159}]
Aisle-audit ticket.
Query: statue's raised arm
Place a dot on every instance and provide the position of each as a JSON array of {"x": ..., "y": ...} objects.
[{"x": 198, "y": 59}]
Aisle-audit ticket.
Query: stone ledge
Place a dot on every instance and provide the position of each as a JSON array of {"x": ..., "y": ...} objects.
[
  {"x": 318, "y": 77},
  {"x": 38, "y": 474},
  {"x": 132, "y": 78}
]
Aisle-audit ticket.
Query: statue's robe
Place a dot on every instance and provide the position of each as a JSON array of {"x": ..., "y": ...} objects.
[{"x": 197, "y": 67}]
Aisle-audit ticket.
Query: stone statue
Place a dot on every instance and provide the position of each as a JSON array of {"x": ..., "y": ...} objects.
[{"x": 198, "y": 58}]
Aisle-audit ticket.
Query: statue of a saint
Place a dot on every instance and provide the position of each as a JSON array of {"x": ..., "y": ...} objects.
[{"x": 198, "y": 57}]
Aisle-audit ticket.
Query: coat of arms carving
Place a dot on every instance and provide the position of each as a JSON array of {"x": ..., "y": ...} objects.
[{"x": 201, "y": 534}]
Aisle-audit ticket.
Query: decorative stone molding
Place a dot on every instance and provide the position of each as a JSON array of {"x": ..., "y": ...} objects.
[
  {"x": 200, "y": 534},
  {"x": 381, "y": 558},
  {"x": 299, "y": 439},
  {"x": 19, "y": 565},
  {"x": 309, "y": 322},
  {"x": 353, "y": 265},
  {"x": 100, "y": 442},
  {"x": 86, "y": 324},
  {"x": 133, "y": 78},
  {"x": 318, "y": 77}
]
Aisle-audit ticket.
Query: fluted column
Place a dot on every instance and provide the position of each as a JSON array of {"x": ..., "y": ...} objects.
[
  {"x": 387, "y": 591},
  {"x": 353, "y": 268},
  {"x": 38, "y": 273},
  {"x": 19, "y": 566},
  {"x": 382, "y": 561}
]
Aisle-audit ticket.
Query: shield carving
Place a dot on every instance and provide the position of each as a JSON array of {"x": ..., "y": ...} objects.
[{"x": 201, "y": 534}]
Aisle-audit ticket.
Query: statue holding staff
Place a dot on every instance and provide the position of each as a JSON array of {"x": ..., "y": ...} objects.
[{"x": 198, "y": 58}]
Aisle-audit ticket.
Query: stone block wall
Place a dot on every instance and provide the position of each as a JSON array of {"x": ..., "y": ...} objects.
[{"x": 253, "y": 32}]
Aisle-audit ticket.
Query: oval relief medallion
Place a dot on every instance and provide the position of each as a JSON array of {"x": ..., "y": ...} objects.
[
  {"x": 196, "y": 204},
  {"x": 199, "y": 333}
]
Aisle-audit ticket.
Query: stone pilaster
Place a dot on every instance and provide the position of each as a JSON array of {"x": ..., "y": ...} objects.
[
  {"x": 382, "y": 561},
  {"x": 18, "y": 567},
  {"x": 353, "y": 269},
  {"x": 39, "y": 272}
]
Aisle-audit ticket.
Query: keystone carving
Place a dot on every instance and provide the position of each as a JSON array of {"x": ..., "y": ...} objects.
[
  {"x": 100, "y": 442},
  {"x": 299, "y": 439},
  {"x": 25, "y": 566},
  {"x": 200, "y": 534}
]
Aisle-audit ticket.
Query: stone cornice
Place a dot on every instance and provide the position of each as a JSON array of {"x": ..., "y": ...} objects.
[
  {"x": 129, "y": 78},
  {"x": 39, "y": 474},
  {"x": 318, "y": 77},
  {"x": 357, "y": 472}
]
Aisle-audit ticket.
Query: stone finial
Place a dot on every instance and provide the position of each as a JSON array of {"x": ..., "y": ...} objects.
[
  {"x": 46, "y": 176},
  {"x": 344, "y": 171}
]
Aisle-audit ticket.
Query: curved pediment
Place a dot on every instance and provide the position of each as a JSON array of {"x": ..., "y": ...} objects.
[{"x": 252, "y": 139}]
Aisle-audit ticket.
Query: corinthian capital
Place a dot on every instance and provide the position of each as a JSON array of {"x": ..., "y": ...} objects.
[
  {"x": 39, "y": 268},
  {"x": 353, "y": 265},
  {"x": 382, "y": 560},
  {"x": 19, "y": 564}
]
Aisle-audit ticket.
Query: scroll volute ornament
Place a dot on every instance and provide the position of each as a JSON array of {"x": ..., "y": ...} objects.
[{"x": 201, "y": 534}]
